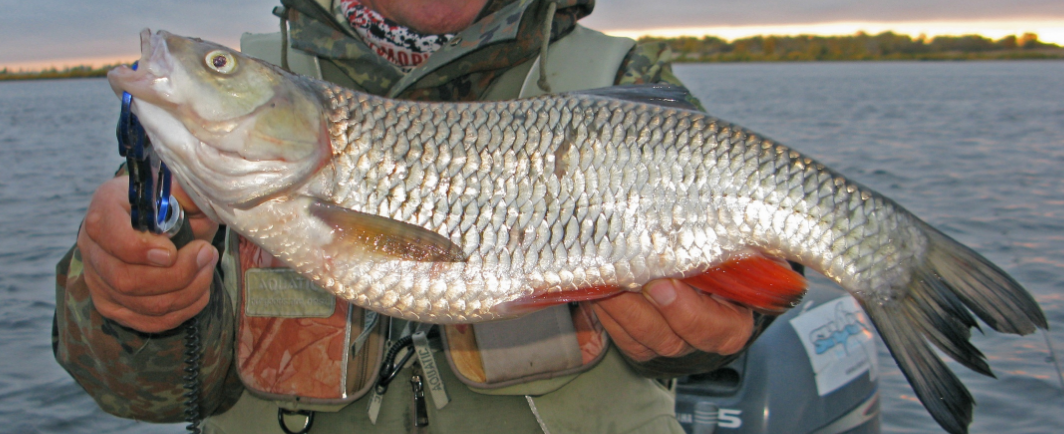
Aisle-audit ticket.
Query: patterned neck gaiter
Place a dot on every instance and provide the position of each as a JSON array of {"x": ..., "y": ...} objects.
[{"x": 401, "y": 45}]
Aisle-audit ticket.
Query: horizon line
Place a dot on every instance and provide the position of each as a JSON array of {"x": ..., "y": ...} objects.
[{"x": 1049, "y": 31}]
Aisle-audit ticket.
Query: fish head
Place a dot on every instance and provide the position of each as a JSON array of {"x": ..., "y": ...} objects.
[{"x": 234, "y": 130}]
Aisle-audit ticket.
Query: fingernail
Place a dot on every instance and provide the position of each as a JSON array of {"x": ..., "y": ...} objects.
[
  {"x": 160, "y": 257},
  {"x": 662, "y": 292},
  {"x": 205, "y": 256}
]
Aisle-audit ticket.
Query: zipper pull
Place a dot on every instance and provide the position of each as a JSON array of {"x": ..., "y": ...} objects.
[
  {"x": 431, "y": 373},
  {"x": 420, "y": 412},
  {"x": 389, "y": 370}
]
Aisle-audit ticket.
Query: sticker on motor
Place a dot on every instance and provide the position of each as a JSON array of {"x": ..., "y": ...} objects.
[{"x": 838, "y": 338}]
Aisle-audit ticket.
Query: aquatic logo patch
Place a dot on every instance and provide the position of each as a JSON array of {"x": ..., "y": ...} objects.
[
  {"x": 838, "y": 339},
  {"x": 283, "y": 293}
]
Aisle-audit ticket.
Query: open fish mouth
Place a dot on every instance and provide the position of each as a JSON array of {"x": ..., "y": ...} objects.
[
  {"x": 201, "y": 103},
  {"x": 150, "y": 82}
]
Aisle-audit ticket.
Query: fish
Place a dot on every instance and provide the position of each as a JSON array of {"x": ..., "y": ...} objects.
[{"x": 477, "y": 211}]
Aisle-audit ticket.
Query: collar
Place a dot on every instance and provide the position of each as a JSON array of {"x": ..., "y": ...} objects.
[{"x": 507, "y": 33}]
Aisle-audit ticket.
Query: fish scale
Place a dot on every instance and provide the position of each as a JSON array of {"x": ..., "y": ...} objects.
[
  {"x": 548, "y": 229},
  {"x": 464, "y": 212}
]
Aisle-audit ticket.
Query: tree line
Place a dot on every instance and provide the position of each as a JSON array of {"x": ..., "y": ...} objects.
[
  {"x": 53, "y": 72},
  {"x": 861, "y": 46}
]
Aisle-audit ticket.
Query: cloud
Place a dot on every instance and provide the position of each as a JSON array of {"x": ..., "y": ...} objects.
[
  {"x": 57, "y": 29},
  {"x": 39, "y": 31}
]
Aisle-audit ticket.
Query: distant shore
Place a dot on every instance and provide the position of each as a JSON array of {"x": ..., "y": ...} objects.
[
  {"x": 885, "y": 46},
  {"x": 859, "y": 47},
  {"x": 53, "y": 73}
]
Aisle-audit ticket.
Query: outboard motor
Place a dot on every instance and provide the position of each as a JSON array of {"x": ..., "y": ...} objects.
[{"x": 813, "y": 371}]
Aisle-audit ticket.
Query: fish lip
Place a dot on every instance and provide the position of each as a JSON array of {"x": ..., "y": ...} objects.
[{"x": 151, "y": 80}]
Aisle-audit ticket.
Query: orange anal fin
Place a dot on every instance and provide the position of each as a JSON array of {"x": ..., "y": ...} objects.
[
  {"x": 761, "y": 283},
  {"x": 538, "y": 301}
]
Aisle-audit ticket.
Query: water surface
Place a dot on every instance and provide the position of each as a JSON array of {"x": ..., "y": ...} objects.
[{"x": 973, "y": 148}]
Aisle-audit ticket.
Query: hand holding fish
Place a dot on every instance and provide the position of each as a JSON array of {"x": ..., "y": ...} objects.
[
  {"x": 672, "y": 319},
  {"x": 139, "y": 279}
]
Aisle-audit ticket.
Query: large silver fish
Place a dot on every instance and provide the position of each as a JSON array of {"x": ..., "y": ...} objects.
[{"x": 446, "y": 212}]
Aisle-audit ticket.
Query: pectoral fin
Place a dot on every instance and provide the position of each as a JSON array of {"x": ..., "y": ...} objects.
[{"x": 389, "y": 238}]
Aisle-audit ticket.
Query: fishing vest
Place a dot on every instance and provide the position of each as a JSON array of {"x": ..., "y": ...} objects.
[{"x": 301, "y": 348}]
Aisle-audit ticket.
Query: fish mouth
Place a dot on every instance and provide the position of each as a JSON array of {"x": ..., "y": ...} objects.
[{"x": 151, "y": 80}]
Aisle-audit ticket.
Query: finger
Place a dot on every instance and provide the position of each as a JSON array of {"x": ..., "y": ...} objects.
[
  {"x": 182, "y": 197},
  {"x": 162, "y": 304},
  {"x": 148, "y": 323},
  {"x": 202, "y": 226},
  {"x": 645, "y": 324},
  {"x": 107, "y": 226},
  {"x": 152, "y": 313},
  {"x": 143, "y": 280},
  {"x": 706, "y": 322},
  {"x": 629, "y": 346}
]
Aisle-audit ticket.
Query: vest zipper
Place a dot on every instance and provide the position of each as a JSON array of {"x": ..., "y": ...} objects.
[{"x": 419, "y": 412}]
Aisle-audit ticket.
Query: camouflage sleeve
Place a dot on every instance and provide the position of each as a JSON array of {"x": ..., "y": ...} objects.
[
  {"x": 137, "y": 375},
  {"x": 652, "y": 63}
]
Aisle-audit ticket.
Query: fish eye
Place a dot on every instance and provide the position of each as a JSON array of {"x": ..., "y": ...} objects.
[{"x": 221, "y": 61}]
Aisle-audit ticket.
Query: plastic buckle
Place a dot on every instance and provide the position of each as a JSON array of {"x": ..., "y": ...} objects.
[{"x": 281, "y": 413}]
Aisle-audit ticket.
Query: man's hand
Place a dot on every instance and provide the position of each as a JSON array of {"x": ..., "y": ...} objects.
[
  {"x": 672, "y": 319},
  {"x": 139, "y": 279}
]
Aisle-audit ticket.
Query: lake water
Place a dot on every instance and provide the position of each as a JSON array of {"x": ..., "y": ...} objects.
[{"x": 974, "y": 148}]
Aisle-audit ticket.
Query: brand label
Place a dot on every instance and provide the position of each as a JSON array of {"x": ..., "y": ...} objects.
[
  {"x": 283, "y": 293},
  {"x": 838, "y": 339},
  {"x": 726, "y": 418},
  {"x": 428, "y": 367}
]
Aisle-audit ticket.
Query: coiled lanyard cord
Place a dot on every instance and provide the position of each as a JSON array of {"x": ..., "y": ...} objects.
[{"x": 154, "y": 209}]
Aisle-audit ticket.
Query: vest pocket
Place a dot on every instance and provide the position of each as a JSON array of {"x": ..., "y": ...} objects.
[
  {"x": 297, "y": 343},
  {"x": 568, "y": 339}
]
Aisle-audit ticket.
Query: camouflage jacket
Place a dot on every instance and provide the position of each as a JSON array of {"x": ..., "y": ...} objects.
[{"x": 139, "y": 376}]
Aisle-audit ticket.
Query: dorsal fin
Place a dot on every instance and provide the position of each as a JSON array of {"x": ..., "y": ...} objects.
[
  {"x": 665, "y": 95},
  {"x": 385, "y": 237}
]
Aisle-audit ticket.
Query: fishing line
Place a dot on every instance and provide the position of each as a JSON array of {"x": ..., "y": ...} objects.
[{"x": 1053, "y": 357}]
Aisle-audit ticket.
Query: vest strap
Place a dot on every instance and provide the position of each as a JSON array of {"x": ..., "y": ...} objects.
[{"x": 267, "y": 46}]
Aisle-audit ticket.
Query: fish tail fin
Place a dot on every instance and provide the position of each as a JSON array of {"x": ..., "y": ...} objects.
[
  {"x": 984, "y": 288},
  {"x": 952, "y": 282}
]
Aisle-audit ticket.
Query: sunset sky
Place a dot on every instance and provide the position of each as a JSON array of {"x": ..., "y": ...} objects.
[{"x": 42, "y": 33}]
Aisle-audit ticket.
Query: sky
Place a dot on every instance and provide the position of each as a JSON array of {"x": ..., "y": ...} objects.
[{"x": 43, "y": 33}]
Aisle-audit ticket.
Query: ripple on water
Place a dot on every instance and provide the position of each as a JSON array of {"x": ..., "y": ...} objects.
[{"x": 971, "y": 147}]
